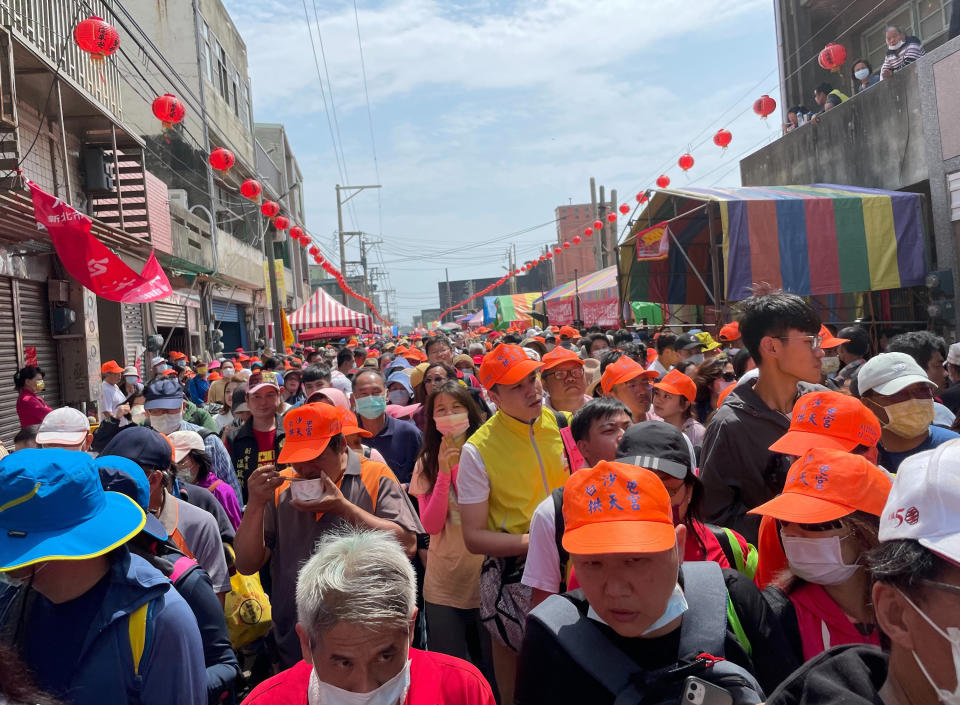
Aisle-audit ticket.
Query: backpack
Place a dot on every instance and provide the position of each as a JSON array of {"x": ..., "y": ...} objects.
[{"x": 702, "y": 637}]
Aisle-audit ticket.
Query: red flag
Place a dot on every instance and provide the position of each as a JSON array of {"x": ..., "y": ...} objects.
[{"x": 89, "y": 261}]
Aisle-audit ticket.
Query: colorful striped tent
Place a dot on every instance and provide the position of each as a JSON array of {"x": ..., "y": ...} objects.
[
  {"x": 512, "y": 308},
  {"x": 473, "y": 320},
  {"x": 810, "y": 240},
  {"x": 323, "y": 310},
  {"x": 598, "y": 299}
]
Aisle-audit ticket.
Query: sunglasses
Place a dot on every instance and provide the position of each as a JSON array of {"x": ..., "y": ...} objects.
[{"x": 729, "y": 376}]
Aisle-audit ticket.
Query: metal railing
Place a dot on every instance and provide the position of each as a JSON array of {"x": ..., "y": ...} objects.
[{"x": 47, "y": 26}]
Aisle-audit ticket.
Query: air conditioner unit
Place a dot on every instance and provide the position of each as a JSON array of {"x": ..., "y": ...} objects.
[{"x": 179, "y": 196}]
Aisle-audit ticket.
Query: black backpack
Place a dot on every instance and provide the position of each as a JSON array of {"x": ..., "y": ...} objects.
[{"x": 703, "y": 633}]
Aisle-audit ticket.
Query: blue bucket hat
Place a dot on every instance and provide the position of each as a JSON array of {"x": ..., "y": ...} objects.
[
  {"x": 53, "y": 507},
  {"x": 401, "y": 378},
  {"x": 118, "y": 474}
]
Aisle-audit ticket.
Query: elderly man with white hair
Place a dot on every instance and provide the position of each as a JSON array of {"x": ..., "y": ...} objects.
[{"x": 356, "y": 607}]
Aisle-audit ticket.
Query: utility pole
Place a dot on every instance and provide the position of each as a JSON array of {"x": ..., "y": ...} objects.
[
  {"x": 342, "y": 235},
  {"x": 602, "y": 235},
  {"x": 513, "y": 268},
  {"x": 597, "y": 245},
  {"x": 276, "y": 306},
  {"x": 611, "y": 230},
  {"x": 449, "y": 303}
]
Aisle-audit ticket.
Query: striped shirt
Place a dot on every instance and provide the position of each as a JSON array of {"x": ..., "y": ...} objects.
[{"x": 896, "y": 59}]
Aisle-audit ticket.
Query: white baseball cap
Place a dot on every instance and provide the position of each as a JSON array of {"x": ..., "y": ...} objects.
[
  {"x": 157, "y": 361},
  {"x": 183, "y": 442},
  {"x": 953, "y": 354},
  {"x": 64, "y": 426},
  {"x": 889, "y": 373},
  {"x": 923, "y": 501}
]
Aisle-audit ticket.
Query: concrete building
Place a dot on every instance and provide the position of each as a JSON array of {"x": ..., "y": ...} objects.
[
  {"x": 900, "y": 134},
  {"x": 591, "y": 253}
]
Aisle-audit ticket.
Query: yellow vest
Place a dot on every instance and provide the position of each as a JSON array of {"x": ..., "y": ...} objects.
[{"x": 525, "y": 462}]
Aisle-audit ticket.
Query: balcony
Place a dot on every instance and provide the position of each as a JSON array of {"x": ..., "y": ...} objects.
[
  {"x": 192, "y": 246},
  {"x": 875, "y": 139}
]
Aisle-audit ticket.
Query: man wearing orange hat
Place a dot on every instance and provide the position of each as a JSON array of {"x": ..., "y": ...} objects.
[
  {"x": 111, "y": 398},
  {"x": 288, "y": 512},
  {"x": 829, "y": 514},
  {"x": 564, "y": 380},
  {"x": 510, "y": 465},
  {"x": 729, "y": 336},
  {"x": 638, "y": 610},
  {"x": 830, "y": 362},
  {"x": 628, "y": 381}
]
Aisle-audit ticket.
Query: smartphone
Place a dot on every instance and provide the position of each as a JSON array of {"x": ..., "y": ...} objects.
[
  {"x": 697, "y": 691},
  {"x": 307, "y": 490}
]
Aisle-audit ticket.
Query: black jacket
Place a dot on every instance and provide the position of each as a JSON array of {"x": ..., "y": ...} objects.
[
  {"x": 737, "y": 469},
  {"x": 844, "y": 675},
  {"x": 244, "y": 451}
]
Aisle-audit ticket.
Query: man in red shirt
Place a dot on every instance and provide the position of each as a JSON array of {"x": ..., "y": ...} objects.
[
  {"x": 356, "y": 607},
  {"x": 258, "y": 441}
]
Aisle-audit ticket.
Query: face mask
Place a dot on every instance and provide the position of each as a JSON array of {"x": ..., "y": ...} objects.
[
  {"x": 371, "y": 407},
  {"x": 696, "y": 359},
  {"x": 41, "y": 386},
  {"x": 181, "y": 363},
  {"x": 393, "y": 692},
  {"x": 138, "y": 414},
  {"x": 453, "y": 424},
  {"x": 597, "y": 354},
  {"x": 830, "y": 365},
  {"x": 817, "y": 561},
  {"x": 675, "y": 607},
  {"x": 162, "y": 368},
  {"x": 399, "y": 396},
  {"x": 910, "y": 418},
  {"x": 201, "y": 371},
  {"x": 185, "y": 476},
  {"x": 130, "y": 379},
  {"x": 861, "y": 74},
  {"x": 167, "y": 423},
  {"x": 952, "y": 635},
  {"x": 227, "y": 372},
  {"x": 896, "y": 46}
]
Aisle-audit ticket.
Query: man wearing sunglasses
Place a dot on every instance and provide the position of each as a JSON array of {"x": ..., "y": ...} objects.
[
  {"x": 899, "y": 393},
  {"x": 739, "y": 472}
]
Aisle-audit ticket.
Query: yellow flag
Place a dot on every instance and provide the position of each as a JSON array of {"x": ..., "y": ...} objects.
[{"x": 288, "y": 339}]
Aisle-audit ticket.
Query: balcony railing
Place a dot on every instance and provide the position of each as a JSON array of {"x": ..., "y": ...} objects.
[{"x": 47, "y": 27}]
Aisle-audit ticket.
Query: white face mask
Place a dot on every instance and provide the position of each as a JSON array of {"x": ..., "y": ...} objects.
[
  {"x": 861, "y": 74},
  {"x": 896, "y": 46},
  {"x": 817, "y": 561},
  {"x": 227, "y": 372},
  {"x": 393, "y": 692},
  {"x": 952, "y": 635},
  {"x": 398, "y": 396},
  {"x": 167, "y": 423},
  {"x": 131, "y": 379},
  {"x": 830, "y": 365},
  {"x": 598, "y": 354}
]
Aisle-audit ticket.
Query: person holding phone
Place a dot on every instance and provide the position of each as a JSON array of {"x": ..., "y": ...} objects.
[{"x": 451, "y": 586}]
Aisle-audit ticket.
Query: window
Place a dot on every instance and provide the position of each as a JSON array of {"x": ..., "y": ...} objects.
[
  {"x": 235, "y": 93},
  {"x": 926, "y": 19},
  {"x": 223, "y": 82},
  {"x": 207, "y": 57}
]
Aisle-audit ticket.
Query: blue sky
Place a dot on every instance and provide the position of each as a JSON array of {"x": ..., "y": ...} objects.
[{"x": 488, "y": 114}]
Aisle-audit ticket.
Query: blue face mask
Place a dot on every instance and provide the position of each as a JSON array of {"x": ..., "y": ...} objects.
[
  {"x": 371, "y": 407},
  {"x": 675, "y": 607}
]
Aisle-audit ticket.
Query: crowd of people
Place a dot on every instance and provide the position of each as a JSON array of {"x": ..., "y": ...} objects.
[
  {"x": 523, "y": 516},
  {"x": 902, "y": 50}
]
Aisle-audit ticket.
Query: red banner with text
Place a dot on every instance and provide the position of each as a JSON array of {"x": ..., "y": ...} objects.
[{"x": 89, "y": 261}]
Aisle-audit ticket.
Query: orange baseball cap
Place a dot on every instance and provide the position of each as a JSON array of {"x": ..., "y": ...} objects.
[
  {"x": 623, "y": 370},
  {"x": 827, "y": 340},
  {"x": 415, "y": 355},
  {"x": 350, "y": 425},
  {"x": 111, "y": 366},
  {"x": 569, "y": 332},
  {"x": 506, "y": 364},
  {"x": 616, "y": 508},
  {"x": 827, "y": 484},
  {"x": 177, "y": 355},
  {"x": 828, "y": 420},
  {"x": 676, "y": 382},
  {"x": 307, "y": 432},
  {"x": 559, "y": 356},
  {"x": 729, "y": 332},
  {"x": 170, "y": 373}
]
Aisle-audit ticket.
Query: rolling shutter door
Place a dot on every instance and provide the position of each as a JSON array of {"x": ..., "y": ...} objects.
[
  {"x": 227, "y": 313},
  {"x": 9, "y": 422},
  {"x": 167, "y": 315},
  {"x": 35, "y": 330},
  {"x": 133, "y": 336}
]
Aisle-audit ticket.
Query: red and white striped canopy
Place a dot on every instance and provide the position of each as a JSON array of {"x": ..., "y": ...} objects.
[{"x": 322, "y": 310}]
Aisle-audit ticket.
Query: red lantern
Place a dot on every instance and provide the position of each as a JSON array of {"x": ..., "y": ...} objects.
[
  {"x": 296, "y": 232},
  {"x": 642, "y": 197},
  {"x": 624, "y": 208},
  {"x": 685, "y": 161},
  {"x": 542, "y": 258},
  {"x": 588, "y": 231},
  {"x": 269, "y": 208},
  {"x": 558, "y": 249},
  {"x": 549, "y": 255},
  {"x": 566, "y": 245},
  {"x": 764, "y": 106},
  {"x": 169, "y": 110},
  {"x": 611, "y": 217},
  {"x": 663, "y": 181},
  {"x": 222, "y": 159},
  {"x": 723, "y": 138},
  {"x": 832, "y": 57},
  {"x": 598, "y": 225},
  {"x": 251, "y": 189},
  {"x": 96, "y": 37},
  {"x": 281, "y": 222},
  {"x": 576, "y": 239}
]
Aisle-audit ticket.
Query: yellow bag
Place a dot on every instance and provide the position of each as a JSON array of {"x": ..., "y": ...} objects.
[{"x": 247, "y": 610}]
